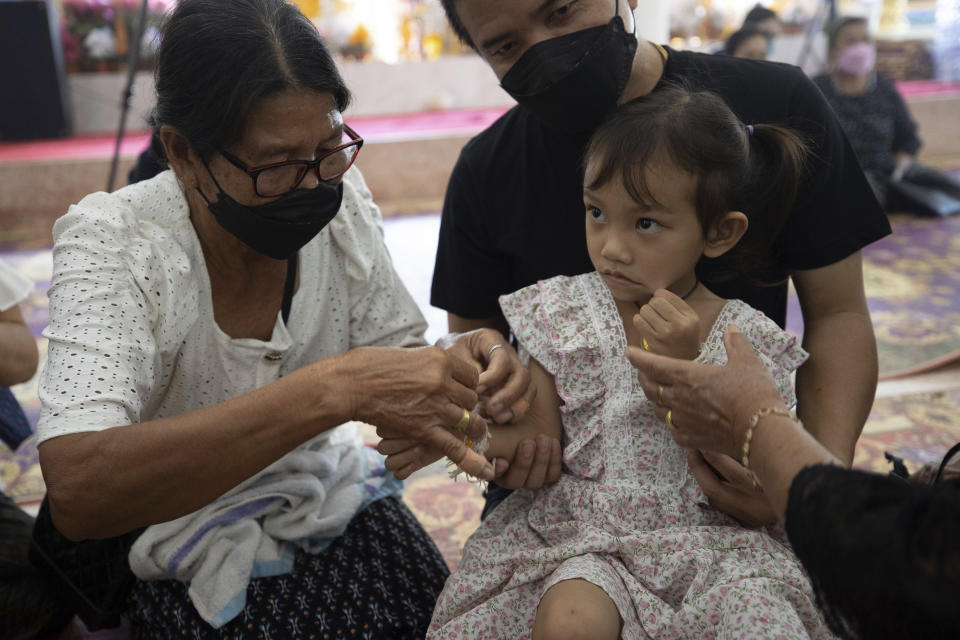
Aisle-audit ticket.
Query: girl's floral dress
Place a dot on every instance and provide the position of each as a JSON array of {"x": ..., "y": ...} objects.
[{"x": 627, "y": 514}]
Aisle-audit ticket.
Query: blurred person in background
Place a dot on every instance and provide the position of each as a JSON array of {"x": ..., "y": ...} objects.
[
  {"x": 879, "y": 127},
  {"x": 765, "y": 20},
  {"x": 748, "y": 42}
]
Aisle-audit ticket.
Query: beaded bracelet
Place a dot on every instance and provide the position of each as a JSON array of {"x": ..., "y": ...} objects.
[{"x": 751, "y": 425}]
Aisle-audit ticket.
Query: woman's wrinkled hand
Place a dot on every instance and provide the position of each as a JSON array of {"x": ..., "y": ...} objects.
[
  {"x": 404, "y": 457},
  {"x": 420, "y": 395},
  {"x": 504, "y": 384},
  {"x": 710, "y": 405},
  {"x": 709, "y": 409}
]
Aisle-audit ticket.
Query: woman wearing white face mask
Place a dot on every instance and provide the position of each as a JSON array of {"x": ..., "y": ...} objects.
[{"x": 879, "y": 126}]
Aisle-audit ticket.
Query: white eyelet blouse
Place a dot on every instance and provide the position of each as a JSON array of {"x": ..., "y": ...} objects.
[{"x": 132, "y": 332}]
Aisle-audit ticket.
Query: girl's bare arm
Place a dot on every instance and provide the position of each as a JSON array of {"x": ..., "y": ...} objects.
[{"x": 542, "y": 418}]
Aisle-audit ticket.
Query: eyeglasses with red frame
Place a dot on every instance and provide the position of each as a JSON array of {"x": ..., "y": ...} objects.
[{"x": 279, "y": 178}]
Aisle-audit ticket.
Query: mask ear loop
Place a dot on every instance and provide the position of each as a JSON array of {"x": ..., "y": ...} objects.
[
  {"x": 633, "y": 18},
  {"x": 213, "y": 177}
]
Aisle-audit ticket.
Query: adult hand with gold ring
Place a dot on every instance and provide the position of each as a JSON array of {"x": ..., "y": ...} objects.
[
  {"x": 713, "y": 405},
  {"x": 464, "y": 422},
  {"x": 669, "y": 420},
  {"x": 417, "y": 394},
  {"x": 405, "y": 456},
  {"x": 504, "y": 385}
]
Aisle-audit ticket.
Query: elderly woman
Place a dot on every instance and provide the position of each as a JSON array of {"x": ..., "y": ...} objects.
[
  {"x": 210, "y": 329},
  {"x": 883, "y": 554}
]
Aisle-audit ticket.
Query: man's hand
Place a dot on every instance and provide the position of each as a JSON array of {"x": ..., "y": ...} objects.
[
  {"x": 669, "y": 325},
  {"x": 537, "y": 462},
  {"x": 836, "y": 386},
  {"x": 729, "y": 488}
]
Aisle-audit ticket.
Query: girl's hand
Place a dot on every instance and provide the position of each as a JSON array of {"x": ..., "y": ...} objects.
[{"x": 670, "y": 326}]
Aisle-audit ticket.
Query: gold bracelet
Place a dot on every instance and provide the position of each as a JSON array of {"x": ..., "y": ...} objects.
[{"x": 752, "y": 424}]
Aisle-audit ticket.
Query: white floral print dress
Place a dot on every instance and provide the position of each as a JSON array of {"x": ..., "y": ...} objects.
[{"x": 627, "y": 514}]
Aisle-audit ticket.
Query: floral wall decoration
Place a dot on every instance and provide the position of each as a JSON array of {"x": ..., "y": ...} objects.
[{"x": 96, "y": 34}]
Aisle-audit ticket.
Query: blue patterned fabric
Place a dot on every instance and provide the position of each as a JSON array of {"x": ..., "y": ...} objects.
[
  {"x": 380, "y": 579},
  {"x": 14, "y": 427}
]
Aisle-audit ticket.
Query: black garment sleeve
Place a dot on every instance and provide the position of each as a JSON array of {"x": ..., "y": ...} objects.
[
  {"x": 883, "y": 554},
  {"x": 836, "y": 213},
  {"x": 469, "y": 274},
  {"x": 905, "y": 139}
]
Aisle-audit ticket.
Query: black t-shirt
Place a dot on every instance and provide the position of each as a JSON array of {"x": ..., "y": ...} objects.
[{"x": 513, "y": 212}]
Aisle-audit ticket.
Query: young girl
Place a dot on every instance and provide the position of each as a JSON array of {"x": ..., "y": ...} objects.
[{"x": 625, "y": 544}]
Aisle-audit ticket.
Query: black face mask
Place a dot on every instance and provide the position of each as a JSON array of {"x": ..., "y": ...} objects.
[
  {"x": 571, "y": 82},
  {"x": 280, "y": 228}
]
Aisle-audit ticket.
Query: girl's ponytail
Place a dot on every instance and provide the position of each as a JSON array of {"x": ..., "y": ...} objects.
[
  {"x": 775, "y": 168},
  {"x": 779, "y": 169}
]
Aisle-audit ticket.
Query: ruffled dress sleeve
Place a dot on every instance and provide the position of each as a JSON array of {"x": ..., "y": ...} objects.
[
  {"x": 779, "y": 350},
  {"x": 561, "y": 322}
]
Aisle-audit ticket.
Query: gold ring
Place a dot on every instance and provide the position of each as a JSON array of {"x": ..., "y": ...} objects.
[
  {"x": 660, "y": 394},
  {"x": 670, "y": 424},
  {"x": 646, "y": 345},
  {"x": 464, "y": 422}
]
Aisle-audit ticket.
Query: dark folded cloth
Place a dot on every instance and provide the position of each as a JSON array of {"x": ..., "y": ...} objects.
[
  {"x": 29, "y": 607},
  {"x": 14, "y": 427}
]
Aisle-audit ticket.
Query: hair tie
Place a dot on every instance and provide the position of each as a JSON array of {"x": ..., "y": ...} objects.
[{"x": 750, "y": 129}]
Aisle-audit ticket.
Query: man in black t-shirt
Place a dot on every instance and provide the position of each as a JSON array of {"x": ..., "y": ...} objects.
[{"x": 513, "y": 212}]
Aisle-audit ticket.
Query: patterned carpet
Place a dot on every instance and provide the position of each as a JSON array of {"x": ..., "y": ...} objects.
[
  {"x": 913, "y": 285},
  {"x": 913, "y": 289},
  {"x": 912, "y": 280}
]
